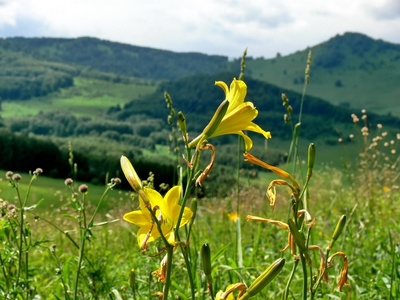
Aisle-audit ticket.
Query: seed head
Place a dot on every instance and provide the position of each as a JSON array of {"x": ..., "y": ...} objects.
[
  {"x": 116, "y": 180},
  {"x": 83, "y": 188},
  {"x": 16, "y": 177},
  {"x": 38, "y": 171}
]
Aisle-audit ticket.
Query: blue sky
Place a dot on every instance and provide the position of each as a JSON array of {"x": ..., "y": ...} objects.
[{"x": 224, "y": 27}]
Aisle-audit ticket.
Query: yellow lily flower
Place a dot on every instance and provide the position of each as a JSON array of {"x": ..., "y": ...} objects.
[
  {"x": 238, "y": 116},
  {"x": 166, "y": 210}
]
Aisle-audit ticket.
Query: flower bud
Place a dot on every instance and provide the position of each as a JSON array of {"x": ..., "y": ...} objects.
[
  {"x": 206, "y": 261},
  {"x": 182, "y": 123},
  {"x": 337, "y": 232},
  {"x": 266, "y": 277},
  {"x": 130, "y": 174},
  {"x": 311, "y": 159},
  {"x": 132, "y": 280},
  {"x": 297, "y": 236}
]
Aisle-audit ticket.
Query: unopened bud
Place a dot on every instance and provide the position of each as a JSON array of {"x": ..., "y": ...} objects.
[
  {"x": 337, "y": 232},
  {"x": 311, "y": 159},
  {"x": 297, "y": 236},
  {"x": 130, "y": 174},
  {"x": 264, "y": 279},
  {"x": 132, "y": 281},
  {"x": 182, "y": 123},
  {"x": 206, "y": 261}
]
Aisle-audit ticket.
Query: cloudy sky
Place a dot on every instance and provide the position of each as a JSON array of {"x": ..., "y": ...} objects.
[{"x": 224, "y": 27}]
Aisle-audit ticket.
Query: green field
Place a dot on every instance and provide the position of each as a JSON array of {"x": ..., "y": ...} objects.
[{"x": 87, "y": 98}]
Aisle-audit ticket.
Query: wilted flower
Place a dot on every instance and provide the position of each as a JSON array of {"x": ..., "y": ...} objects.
[{"x": 342, "y": 279}]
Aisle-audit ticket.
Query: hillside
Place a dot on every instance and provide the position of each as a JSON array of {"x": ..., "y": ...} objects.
[
  {"x": 351, "y": 70},
  {"x": 118, "y": 58},
  {"x": 198, "y": 98}
]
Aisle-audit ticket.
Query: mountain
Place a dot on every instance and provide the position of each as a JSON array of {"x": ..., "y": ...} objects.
[
  {"x": 351, "y": 70},
  {"x": 118, "y": 58}
]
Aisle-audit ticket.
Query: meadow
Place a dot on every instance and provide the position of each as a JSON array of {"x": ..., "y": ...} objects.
[{"x": 338, "y": 223}]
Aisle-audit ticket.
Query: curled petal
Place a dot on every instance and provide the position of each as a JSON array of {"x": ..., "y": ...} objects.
[{"x": 342, "y": 279}]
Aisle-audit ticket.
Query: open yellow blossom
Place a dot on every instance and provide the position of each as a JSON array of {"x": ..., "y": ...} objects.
[
  {"x": 238, "y": 116},
  {"x": 166, "y": 210}
]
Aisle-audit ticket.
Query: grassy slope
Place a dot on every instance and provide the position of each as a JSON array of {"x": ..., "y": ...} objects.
[
  {"x": 366, "y": 75},
  {"x": 88, "y": 97}
]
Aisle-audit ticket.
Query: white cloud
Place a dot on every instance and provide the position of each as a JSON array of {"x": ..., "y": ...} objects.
[{"x": 223, "y": 27}]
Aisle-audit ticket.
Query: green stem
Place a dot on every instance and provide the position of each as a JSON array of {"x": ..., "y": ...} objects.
[
  {"x": 61, "y": 275},
  {"x": 109, "y": 187},
  {"x": 304, "y": 266},
  {"x": 21, "y": 236},
  {"x": 317, "y": 283},
  {"x": 189, "y": 270},
  {"x": 83, "y": 231},
  {"x": 286, "y": 291},
  {"x": 6, "y": 278},
  {"x": 170, "y": 251}
]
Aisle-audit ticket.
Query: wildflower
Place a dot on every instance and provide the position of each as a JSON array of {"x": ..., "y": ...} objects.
[
  {"x": 68, "y": 181},
  {"x": 38, "y": 171},
  {"x": 238, "y": 116},
  {"x": 355, "y": 118},
  {"x": 233, "y": 216},
  {"x": 9, "y": 174},
  {"x": 166, "y": 211},
  {"x": 16, "y": 177}
]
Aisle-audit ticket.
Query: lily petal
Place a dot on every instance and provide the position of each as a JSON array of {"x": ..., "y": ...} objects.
[{"x": 138, "y": 218}]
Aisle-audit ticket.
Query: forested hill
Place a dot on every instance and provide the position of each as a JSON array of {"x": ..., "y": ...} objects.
[
  {"x": 352, "y": 70},
  {"x": 118, "y": 58},
  {"x": 198, "y": 98}
]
